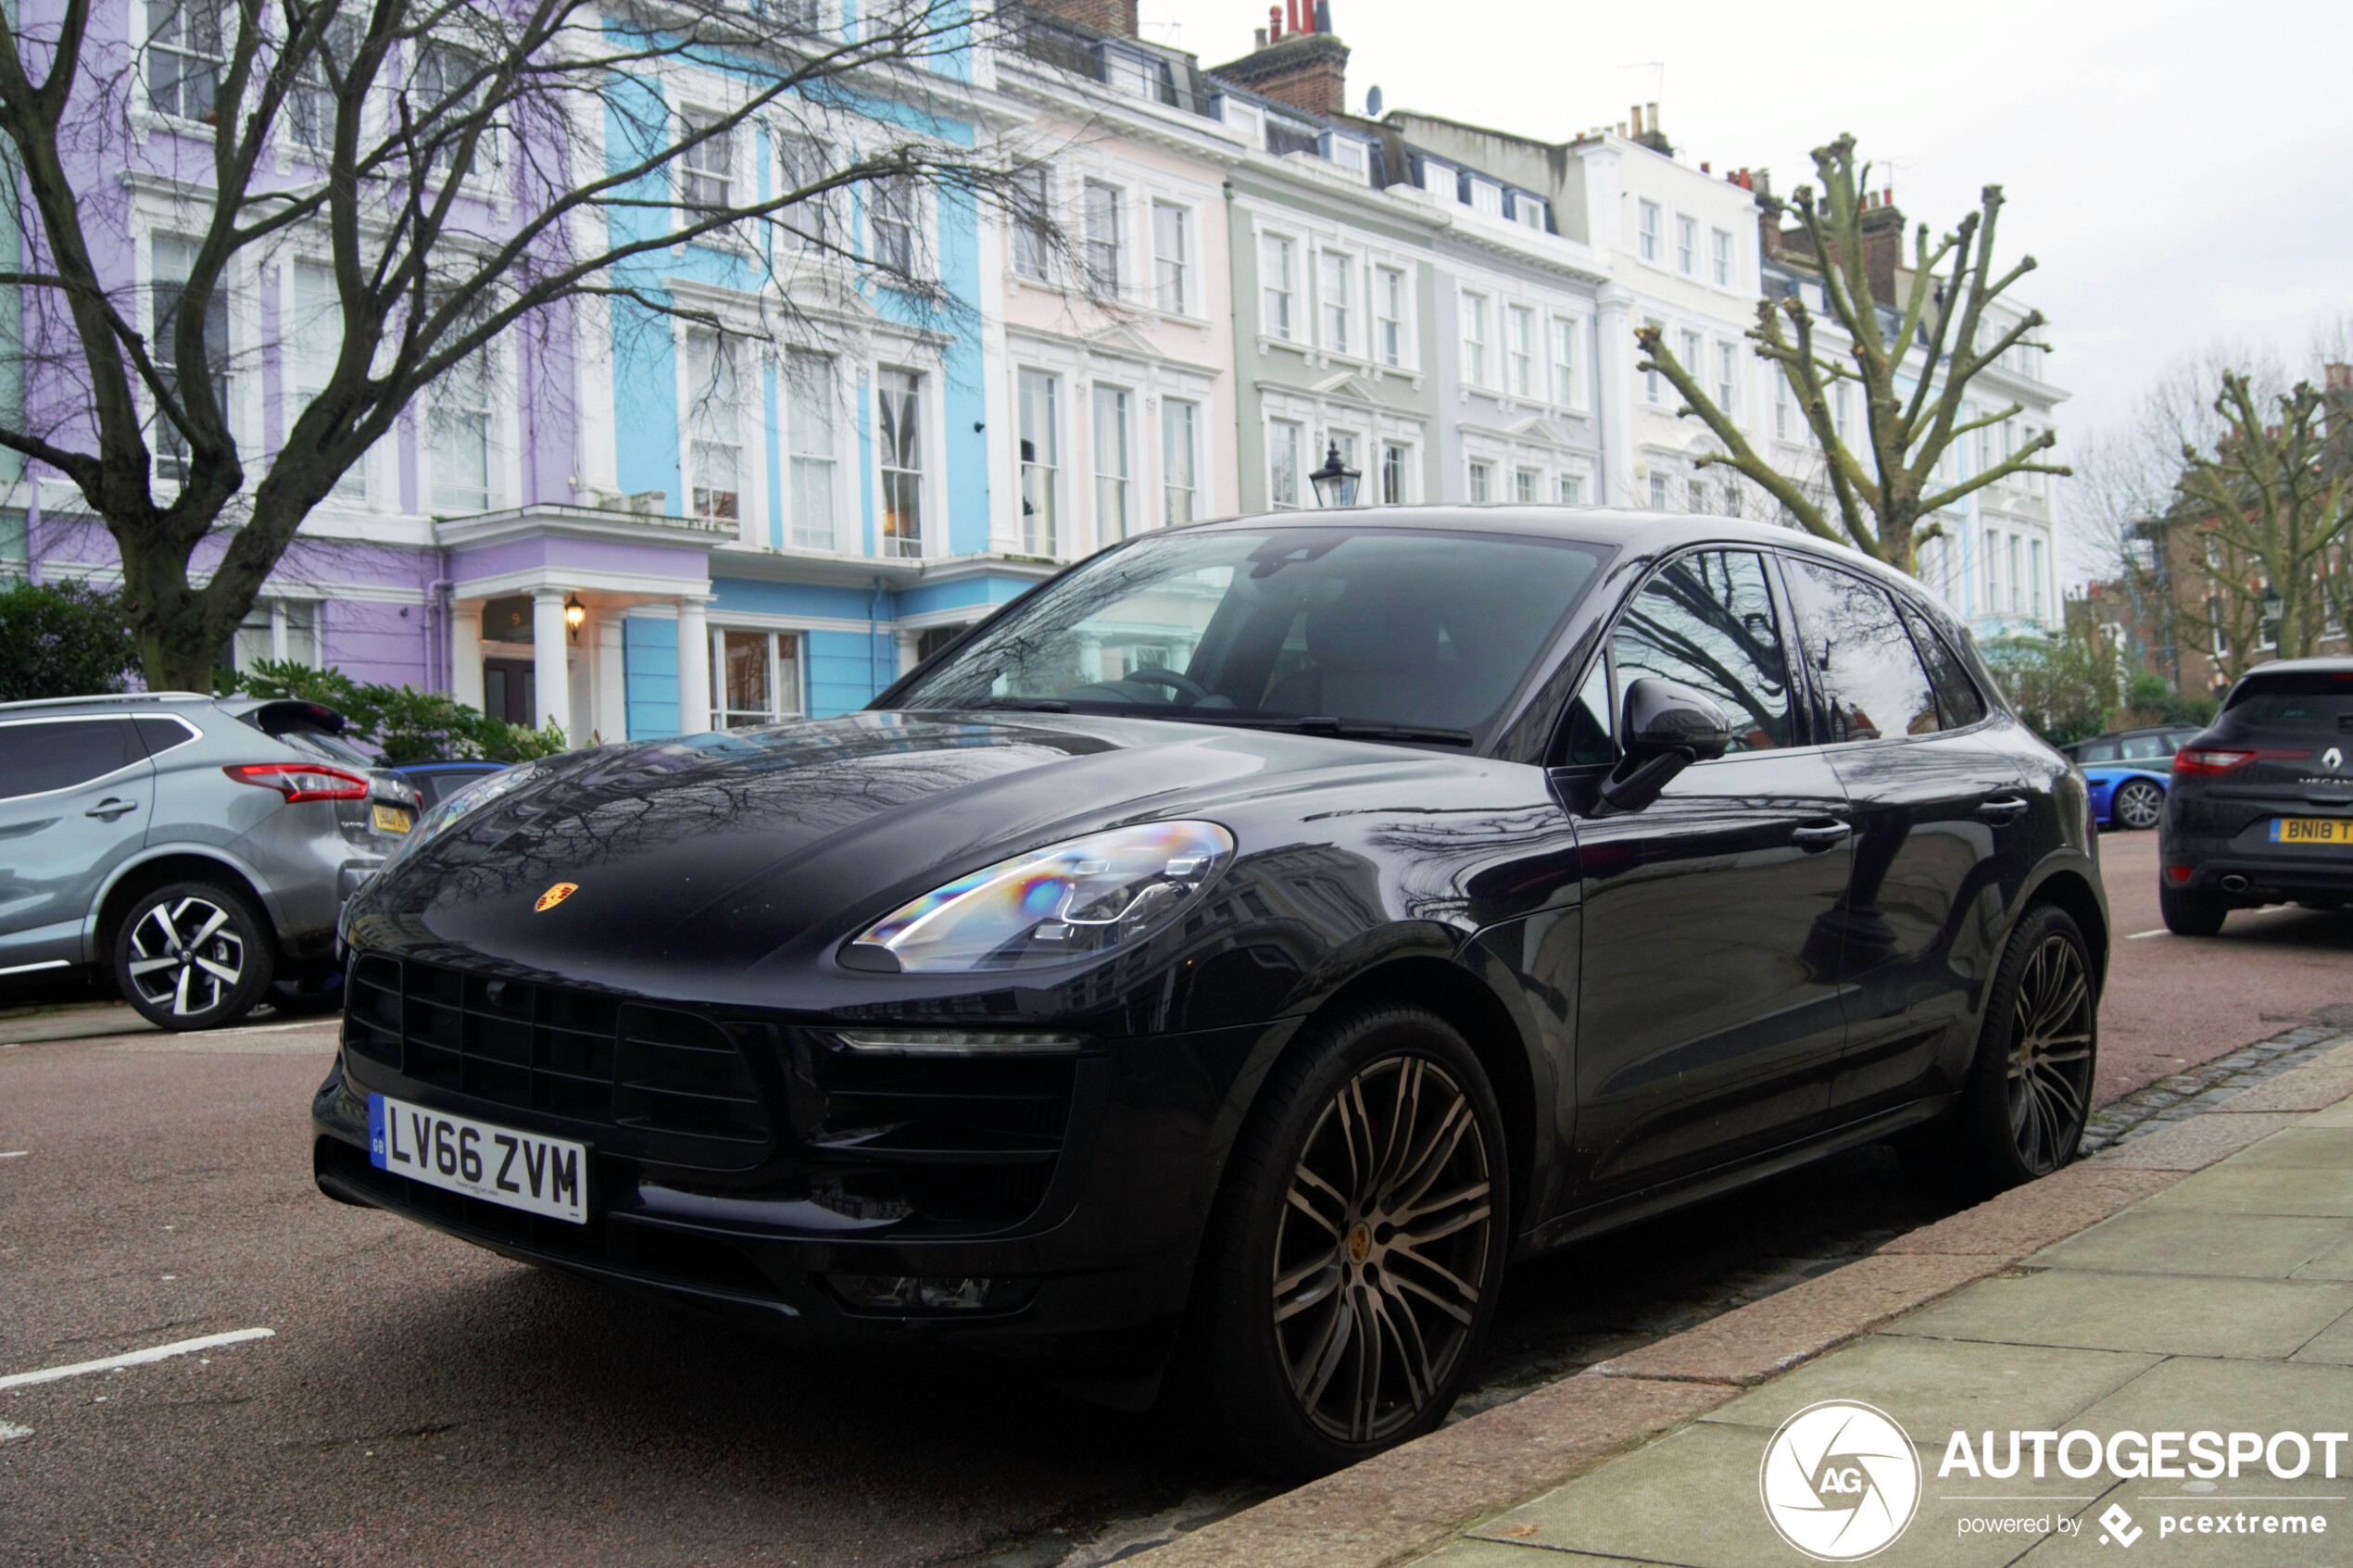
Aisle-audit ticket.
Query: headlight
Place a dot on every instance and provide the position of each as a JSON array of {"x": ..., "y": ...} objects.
[{"x": 1071, "y": 901}]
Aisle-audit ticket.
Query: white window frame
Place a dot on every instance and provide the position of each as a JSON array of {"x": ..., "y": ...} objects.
[
  {"x": 1728, "y": 378},
  {"x": 1278, "y": 295},
  {"x": 1103, "y": 257},
  {"x": 803, "y": 160},
  {"x": 1114, "y": 462},
  {"x": 1333, "y": 317},
  {"x": 787, "y": 700},
  {"x": 155, "y": 51},
  {"x": 826, "y": 370},
  {"x": 1687, "y": 245},
  {"x": 1649, "y": 236},
  {"x": 1392, "y": 339},
  {"x": 1295, "y": 433},
  {"x": 1479, "y": 481},
  {"x": 1722, "y": 260},
  {"x": 1173, "y": 285},
  {"x": 309, "y": 340},
  {"x": 706, "y": 174},
  {"x": 1569, "y": 384},
  {"x": 1475, "y": 314},
  {"x": 925, "y": 493},
  {"x": 1403, "y": 469},
  {"x": 1037, "y": 479},
  {"x": 1520, "y": 350},
  {"x": 1032, "y": 240},
  {"x": 702, "y": 498},
  {"x": 1180, "y": 433}
]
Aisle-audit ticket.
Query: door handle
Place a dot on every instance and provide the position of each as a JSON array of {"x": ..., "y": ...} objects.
[
  {"x": 111, "y": 808},
  {"x": 2008, "y": 810},
  {"x": 1815, "y": 837}
]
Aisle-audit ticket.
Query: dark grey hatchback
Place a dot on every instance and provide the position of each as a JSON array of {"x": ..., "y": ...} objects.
[
  {"x": 1228, "y": 956},
  {"x": 2261, "y": 808}
]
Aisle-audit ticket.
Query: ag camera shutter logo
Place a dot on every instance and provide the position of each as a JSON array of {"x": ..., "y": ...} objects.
[{"x": 1840, "y": 1481}]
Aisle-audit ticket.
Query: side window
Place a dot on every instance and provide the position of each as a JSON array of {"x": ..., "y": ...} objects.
[
  {"x": 60, "y": 753},
  {"x": 162, "y": 735},
  {"x": 1957, "y": 694},
  {"x": 1706, "y": 620},
  {"x": 1860, "y": 655},
  {"x": 1591, "y": 720}
]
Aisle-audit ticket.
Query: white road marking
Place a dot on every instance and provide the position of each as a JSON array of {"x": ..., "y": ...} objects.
[
  {"x": 134, "y": 1357},
  {"x": 14, "y": 1153},
  {"x": 10, "y": 1432},
  {"x": 2138, "y": 935}
]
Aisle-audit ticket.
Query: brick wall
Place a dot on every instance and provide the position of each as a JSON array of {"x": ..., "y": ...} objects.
[
  {"x": 1104, "y": 16},
  {"x": 1307, "y": 70}
]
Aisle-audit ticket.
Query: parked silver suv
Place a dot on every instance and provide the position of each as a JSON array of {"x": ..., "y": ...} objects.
[{"x": 201, "y": 848}]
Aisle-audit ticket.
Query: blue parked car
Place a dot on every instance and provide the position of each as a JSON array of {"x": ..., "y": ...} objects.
[{"x": 2130, "y": 771}]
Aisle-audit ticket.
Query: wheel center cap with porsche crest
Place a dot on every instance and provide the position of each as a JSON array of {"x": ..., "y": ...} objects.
[{"x": 554, "y": 895}]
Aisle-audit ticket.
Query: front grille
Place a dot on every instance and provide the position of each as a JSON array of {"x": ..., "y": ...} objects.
[{"x": 674, "y": 1085}]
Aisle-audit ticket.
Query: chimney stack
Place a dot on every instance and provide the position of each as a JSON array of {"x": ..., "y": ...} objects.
[
  {"x": 1115, "y": 17},
  {"x": 1305, "y": 66},
  {"x": 1883, "y": 246}
]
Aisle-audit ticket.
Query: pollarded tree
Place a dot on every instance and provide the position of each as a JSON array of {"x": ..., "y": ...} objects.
[
  {"x": 471, "y": 171},
  {"x": 1882, "y": 497},
  {"x": 2272, "y": 500}
]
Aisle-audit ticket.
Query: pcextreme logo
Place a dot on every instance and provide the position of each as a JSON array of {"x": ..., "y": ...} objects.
[
  {"x": 1840, "y": 1481},
  {"x": 554, "y": 895}
]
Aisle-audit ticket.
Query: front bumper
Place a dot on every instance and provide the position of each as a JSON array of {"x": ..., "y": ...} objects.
[{"x": 1089, "y": 1285}]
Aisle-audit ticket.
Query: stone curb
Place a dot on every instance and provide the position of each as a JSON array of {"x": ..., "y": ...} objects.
[{"x": 1405, "y": 1503}]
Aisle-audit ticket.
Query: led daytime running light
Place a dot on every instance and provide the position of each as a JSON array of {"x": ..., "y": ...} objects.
[{"x": 955, "y": 1042}]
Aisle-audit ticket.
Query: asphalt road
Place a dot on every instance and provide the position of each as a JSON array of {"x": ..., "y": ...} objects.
[{"x": 418, "y": 1400}]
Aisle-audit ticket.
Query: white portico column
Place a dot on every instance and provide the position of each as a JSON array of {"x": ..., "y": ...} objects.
[
  {"x": 693, "y": 668},
  {"x": 551, "y": 663},
  {"x": 465, "y": 654},
  {"x": 1613, "y": 394}
]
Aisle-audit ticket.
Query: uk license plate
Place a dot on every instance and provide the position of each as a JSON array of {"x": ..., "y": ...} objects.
[
  {"x": 480, "y": 1159},
  {"x": 393, "y": 818},
  {"x": 2312, "y": 830}
]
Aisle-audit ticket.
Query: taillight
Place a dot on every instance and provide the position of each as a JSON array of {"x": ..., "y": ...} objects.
[
  {"x": 301, "y": 780},
  {"x": 2207, "y": 759}
]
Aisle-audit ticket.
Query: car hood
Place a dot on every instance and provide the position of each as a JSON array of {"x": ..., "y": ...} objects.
[{"x": 698, "y": 865}]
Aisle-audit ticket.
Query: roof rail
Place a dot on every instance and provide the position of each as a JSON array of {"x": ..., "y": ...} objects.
[{"x": 105, "y": 696}]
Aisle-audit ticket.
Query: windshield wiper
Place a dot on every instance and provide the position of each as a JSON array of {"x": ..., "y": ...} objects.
[
  {"x": 1012, "y": 705},
  {"x": 1352, "y": 729}
]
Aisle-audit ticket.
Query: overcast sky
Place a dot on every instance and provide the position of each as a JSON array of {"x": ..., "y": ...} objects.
[{"x": 2183, "y": 173}]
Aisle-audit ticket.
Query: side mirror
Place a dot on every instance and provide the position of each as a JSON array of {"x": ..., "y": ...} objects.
[
  {"x": 1667, "y": 727},
  {"x": 1664, "y": 715}
]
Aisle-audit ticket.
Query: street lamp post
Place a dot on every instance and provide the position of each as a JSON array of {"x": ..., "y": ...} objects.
[
  {"x": 1335, "y": 482},
  {"x": 2274, "y": 611}
]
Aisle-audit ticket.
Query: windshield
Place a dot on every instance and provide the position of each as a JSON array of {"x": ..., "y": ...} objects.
[{"x": 1340, "y": 627}]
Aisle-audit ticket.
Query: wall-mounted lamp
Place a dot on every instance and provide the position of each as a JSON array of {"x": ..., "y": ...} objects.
[{"x": 575, "y": 615}]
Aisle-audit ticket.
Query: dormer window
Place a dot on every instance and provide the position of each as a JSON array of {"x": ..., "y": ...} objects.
[
  {"x": 1345, "y": 151},
  {"x": 1527, "y": 211}
]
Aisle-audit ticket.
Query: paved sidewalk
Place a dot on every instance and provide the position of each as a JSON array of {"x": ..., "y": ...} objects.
[{"x": 2198, "y": 1279}]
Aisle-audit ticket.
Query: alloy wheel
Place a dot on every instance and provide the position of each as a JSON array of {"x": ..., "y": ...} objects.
[
  {"x": 187, "y": 956},
  {"x": 2050, "y": 1057},
  {"x": 2138, "y": 806},
  {"x": 1384, "y": 1238}
]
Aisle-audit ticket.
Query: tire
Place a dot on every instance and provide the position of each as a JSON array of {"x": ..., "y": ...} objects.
[
  {"x": 2137, "y": 805},
  {"x": 194, "y": 955},
  {"x": 2191, "y": 913},
  {"x": 2029, "y": 1088},
  {"x": 1301, "y": 1255}
]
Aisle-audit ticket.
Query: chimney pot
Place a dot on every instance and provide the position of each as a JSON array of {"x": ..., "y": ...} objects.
[
  {"x": 1638, "y": 119},
  {"x": 1657, "y": 124},
  {"x": 1260, "y": 35}
]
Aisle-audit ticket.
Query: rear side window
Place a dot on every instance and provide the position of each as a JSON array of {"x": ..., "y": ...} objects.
[
  {"x": 1958, "y": 701},
  {"x": 1706, "y": 620},
  {"x": 1863, "y": 660},
  {"x": 2095, "y": 751},
  {"x": 2146, "y": 748},
  {"x": 60, "y": 753},
  {"x": 162, "y": 735}
]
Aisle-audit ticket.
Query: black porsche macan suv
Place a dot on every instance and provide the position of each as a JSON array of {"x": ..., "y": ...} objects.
[
  {"x": 2261, "y": 807},
  {"x": 1212, "y": 967}
]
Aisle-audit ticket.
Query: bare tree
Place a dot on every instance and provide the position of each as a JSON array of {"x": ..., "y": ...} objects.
[
  {"x": 473, "y": 171},
  {"x": 1877, "y": 499},
  {"x": 2272, "y": 498}
]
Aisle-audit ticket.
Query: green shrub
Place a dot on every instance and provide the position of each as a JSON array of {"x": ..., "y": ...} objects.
[
  {"x": 2062, "y": 687},
  {"x": 405, "y": 724},
  {"x": 62, "y": 639}
]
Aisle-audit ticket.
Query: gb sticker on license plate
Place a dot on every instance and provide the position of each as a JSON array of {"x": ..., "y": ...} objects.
[{"x": 521, "y": 1170}]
